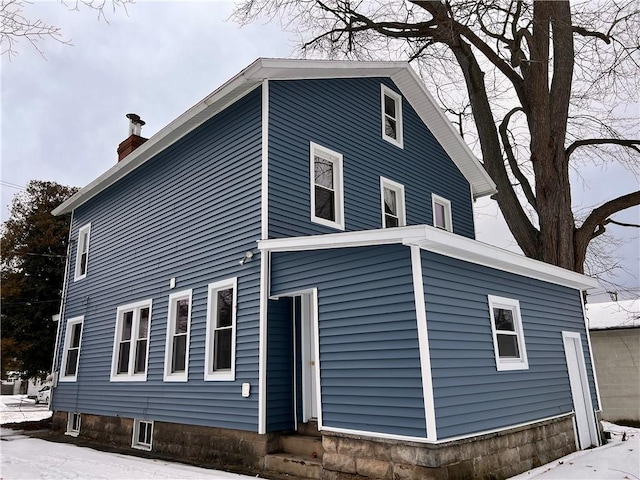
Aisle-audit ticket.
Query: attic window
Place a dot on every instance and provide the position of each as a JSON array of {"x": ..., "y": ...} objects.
[
  {"x": 441, "y": 208},
  {"x": 391, "y": 116}
]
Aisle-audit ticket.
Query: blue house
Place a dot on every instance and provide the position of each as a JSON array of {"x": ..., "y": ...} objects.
[{"x": 286, "y": 278}]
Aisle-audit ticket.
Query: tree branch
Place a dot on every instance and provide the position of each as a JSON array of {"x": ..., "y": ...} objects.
[
  {"x": 621, "y": 224},
  {"x": 602, "y": 141},
  {"x": 597, "y": 219}
]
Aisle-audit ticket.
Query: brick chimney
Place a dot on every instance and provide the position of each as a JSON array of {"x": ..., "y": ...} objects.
[{"x": 134, "y": 140}]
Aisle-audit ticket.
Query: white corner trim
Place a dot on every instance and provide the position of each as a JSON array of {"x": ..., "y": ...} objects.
[
  {"x": 264, "y": 189},
  {"x": 593, "y": 365},
  {"x": 441, "y": 242},
  {"x": 423, "y": 342},
  {"x": 315, "y": 325},
  {"x": 262, "y": 343}
]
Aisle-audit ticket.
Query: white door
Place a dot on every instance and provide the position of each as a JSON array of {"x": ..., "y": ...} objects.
[
  {"x": 585, "y": 419},
  {"x": 309, "y": 358}
]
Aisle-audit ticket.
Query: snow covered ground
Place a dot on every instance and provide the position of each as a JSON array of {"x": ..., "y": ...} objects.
[{"x": 24, "y": 458}]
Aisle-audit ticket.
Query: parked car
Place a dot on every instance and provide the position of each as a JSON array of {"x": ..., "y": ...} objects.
[{"x": 43, "y": 395}]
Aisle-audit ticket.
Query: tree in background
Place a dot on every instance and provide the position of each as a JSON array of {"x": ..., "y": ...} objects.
[
  {"x": 538, "y": 88},
  {"x": 33, "y": 251}
]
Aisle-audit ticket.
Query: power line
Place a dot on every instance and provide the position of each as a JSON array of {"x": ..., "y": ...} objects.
[{"x": 12, "y": 185}]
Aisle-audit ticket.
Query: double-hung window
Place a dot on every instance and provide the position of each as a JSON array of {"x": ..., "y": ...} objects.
[
  {"x": 176, "y": 361},
  {"x": 71, "y": 352},
  {"x": 327, "y": 197},
  {"x": 82, "y": 252},
  {"x": 441, "y": 208},
  {"x": 391, "y": 116},
  {"x": 393, "y": 206},
  {"x": 220, "y": 349},
  {"x": 131, "y": 342},
  {"x": 508, "y": 335}
]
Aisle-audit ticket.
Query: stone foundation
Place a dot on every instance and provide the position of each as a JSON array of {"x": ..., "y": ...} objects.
[
  {"x": 493, "y": 456},
  {"x": 208, "y": 445}
]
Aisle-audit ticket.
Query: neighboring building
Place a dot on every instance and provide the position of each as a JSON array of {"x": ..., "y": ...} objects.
[
  {"x": 615, "y": 340},
  {"x": 296, "y": 253}
]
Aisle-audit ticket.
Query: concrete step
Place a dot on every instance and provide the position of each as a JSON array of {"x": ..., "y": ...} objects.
[
  {"x": 310, "y": 428},
  {"x": 303, "y": 446},
  {"x": 297, "y": 467}
]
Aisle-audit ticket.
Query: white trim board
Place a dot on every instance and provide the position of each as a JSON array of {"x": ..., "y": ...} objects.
[
  {"x": 438, "y": 241},
  {"x": 402, "y": 74}
]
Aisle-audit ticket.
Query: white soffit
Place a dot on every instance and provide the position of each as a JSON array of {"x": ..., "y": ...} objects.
[
  {"x": 437, "y": 241},
  {"x": 401, "y": 73}
]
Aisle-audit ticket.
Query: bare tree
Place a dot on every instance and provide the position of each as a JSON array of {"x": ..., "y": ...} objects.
[
  {"x": 16, "y": 25},
  {"x": 547, "y": 82}
]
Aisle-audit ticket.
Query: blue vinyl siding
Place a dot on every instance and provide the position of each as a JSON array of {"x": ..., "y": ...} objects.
[
  {"x": 470, "y": 394},
  {"x": 344, "y": 115},
  {"x": 280, "y": 365},
  {"x": 190, "y": 213},
  {"x": 369, "y": 355}
]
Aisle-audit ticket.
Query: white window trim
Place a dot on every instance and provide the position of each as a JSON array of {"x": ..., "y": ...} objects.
[
  {"x": 224, "y": 375},
  {"x": 84, "y": 229},
  {"x": 70, "y": 430},
  {"x": 130, "y": 377},
  {"x": 399, "y": 142},
  {"x": 337, "y": 159},
  {"x": 503, "y": 364},
  {"x": 134, "y": 437},
  {"x": 399, "y": 189},
  {"x": 179, "y": 376},
  {"x": 448, "y": 220},
  {"x": 67, "y": 342}
]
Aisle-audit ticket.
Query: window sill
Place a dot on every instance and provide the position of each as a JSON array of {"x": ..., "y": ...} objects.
[
  {"x": 128, "y": 378},
  {"x": 327, "y": 223},
  {"x": 68, "y": 379},
  {"x": 502, "y": 366},
  {"x": 176, "y": 378},
  {"x": 220, "y": 377}
]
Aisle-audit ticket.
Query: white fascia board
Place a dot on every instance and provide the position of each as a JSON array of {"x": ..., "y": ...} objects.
[{"x": 437, "y": 241}]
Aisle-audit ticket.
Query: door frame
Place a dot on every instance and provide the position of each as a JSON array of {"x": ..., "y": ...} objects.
[{"x": 580, "y": 390}]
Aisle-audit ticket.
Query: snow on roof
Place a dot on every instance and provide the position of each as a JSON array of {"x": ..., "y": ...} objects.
[{"x": 622, "y": 314}]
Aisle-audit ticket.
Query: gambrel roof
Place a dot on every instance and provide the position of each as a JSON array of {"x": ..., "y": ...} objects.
[{"x": 410, "y": 85}]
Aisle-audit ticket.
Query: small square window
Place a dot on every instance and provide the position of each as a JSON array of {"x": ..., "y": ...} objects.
[
  {"x": 220, "y": 349},
  {"x": 176, "y": 362},
  {"x": 71, "y": 352},
  {"x": 142, "y": 434},
  {"x": 391, "y": 107},
  {"x": 441, "y": 208},
  {"x": 393, "y": 205},
  {"x": 73, "y": 424},
  {"x": 327, "y": 198},
  {"x": 131, "y": 342},
  {"x": 82, "y": 252},
  {"x": 508, "y": 335}
]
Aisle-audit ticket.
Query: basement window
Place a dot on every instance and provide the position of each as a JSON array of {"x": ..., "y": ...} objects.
[
  {"x": 73, "y": 424},
  {"x": 142, "y": 434}
]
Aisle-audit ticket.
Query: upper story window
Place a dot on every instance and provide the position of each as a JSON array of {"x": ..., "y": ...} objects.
[
  {"x": 131, "y": 342},
  {"x": 220, "y": 349},
  {"x": 508, "y": 336},
  {"x": 441, "y": 213},
  {"x": 327, "y": 195},
  {"x": 393, "y": 206},
  {"x": 391, "y": 116},
  {"x": 71, "y": 352},
  {"x": 82, "y": 252},
  {"x": 176, "y": 360}
]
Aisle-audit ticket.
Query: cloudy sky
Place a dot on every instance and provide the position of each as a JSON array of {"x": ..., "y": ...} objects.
[{"x": 63, "y": 117}]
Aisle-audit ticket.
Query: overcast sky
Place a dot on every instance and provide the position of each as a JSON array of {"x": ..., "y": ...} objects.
[{"x": 63, "y": 117}]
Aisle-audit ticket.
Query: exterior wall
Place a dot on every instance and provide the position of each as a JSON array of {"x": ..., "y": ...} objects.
[
  {"x": 616, "y": 354},
  {"x": 369, "y": 355},
  {"x": 470, "y": 394},
  {"x": 190, "y": 213},
  {"x": 344, "y": 116}
]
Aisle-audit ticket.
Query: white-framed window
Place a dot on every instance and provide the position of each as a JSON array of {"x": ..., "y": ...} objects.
[
  {"x": 392, "y": 201},
  {"x": 71, "y": 351},
  {"x": 73, "y": 424},
  {"x": 131, "y": 342},
  {"x": 82, "y": 252},
  {"x": 176, "y": 360},
  {"x": 220, "y": 349},
  {"x": 441, "y": 208},
  {"x": 327, "y": 190},
  {"x": 142, "y": 434},
  {"x": 391, "y": 107},
  {"x": 508, "y": 335}
]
